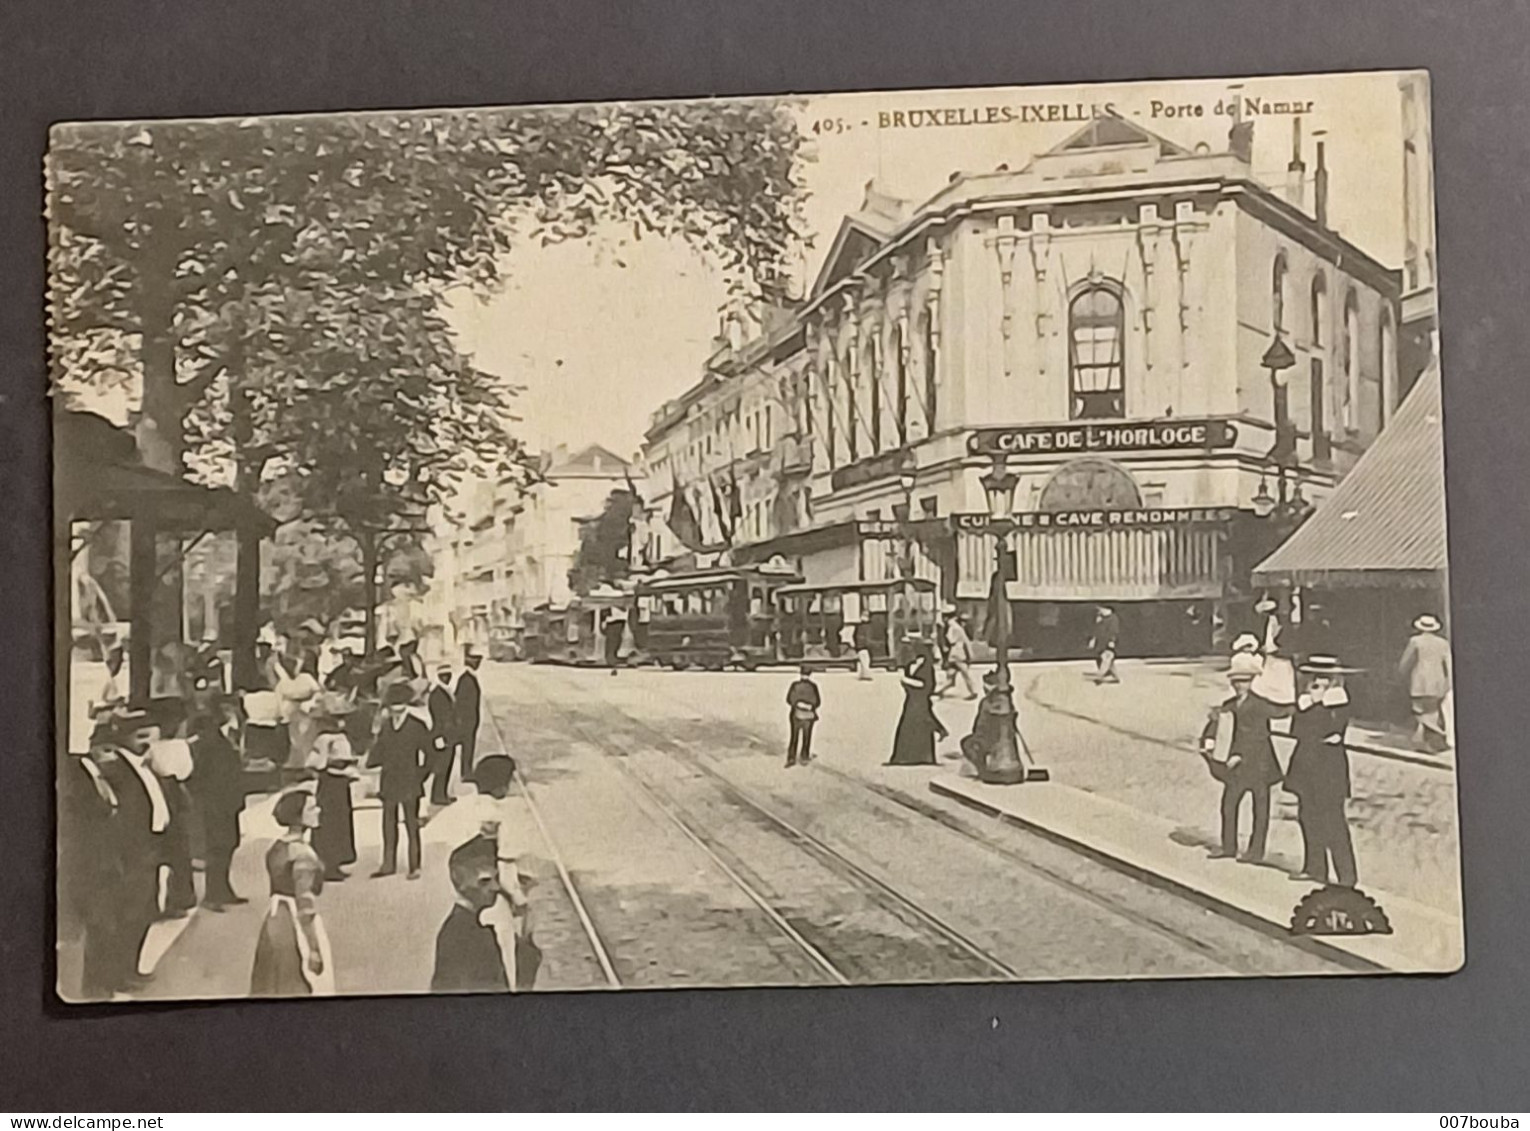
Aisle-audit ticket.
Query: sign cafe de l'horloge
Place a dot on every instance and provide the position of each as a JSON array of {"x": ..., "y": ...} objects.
[
  {"x": 1161, "y": 435},
  {"x": 1087, "y": 438}
]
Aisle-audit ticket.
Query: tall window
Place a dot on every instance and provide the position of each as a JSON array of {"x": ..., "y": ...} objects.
[
  {"x": 871, "y": 363},
  {"x": 1319, "y": 310},
  {"x": 1278, "y": 294},
  {"x": 900, "y": 368},
  {"x": 809, "y": 395},
  {"x": 1351, "y": 347},
  {"x": 1096, "y": 354},
  {"x": 1389, "y": 390},
  {"x": 829, "y": 411},
  {"x": 852, "y": 378},
  {"x": 931, "y": 371}
]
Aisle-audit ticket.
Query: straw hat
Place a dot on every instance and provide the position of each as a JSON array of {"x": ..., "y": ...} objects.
[
  {"x": 1247, "y": 642},
  {"x": 1326, "y": 665},
  {"x": 1265, "y": 605},
  {"x": 1427, "y": 623},
  {"x": 1244, "y": 666}
]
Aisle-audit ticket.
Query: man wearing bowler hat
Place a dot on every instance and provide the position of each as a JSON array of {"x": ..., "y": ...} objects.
[{"x": 401, "y": 751}]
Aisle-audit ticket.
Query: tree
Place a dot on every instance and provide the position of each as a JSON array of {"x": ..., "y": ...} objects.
[
  {"x": 276, "y": 285},
  {"x": 604, "y": 544},
  {"x": 173, "y": 240}
]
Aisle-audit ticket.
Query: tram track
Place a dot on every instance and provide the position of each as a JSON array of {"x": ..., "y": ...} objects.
[
  {"x": 597, "y": 945},
  {"x": 952, "y": 955},
  {"x": 1184, "y": 940}
]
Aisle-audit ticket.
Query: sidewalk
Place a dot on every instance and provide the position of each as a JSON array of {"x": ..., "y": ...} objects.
[
  {"x": 1423, "y": 939},
  {"x": 1135, "y": 742}
]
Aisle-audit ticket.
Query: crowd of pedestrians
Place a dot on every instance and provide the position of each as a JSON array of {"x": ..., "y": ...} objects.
[{"x": 163, "y": 786}]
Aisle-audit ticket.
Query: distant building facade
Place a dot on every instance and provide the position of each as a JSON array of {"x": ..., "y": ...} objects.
[
  {"x": 1106, "y": 307},
  {"x": 510, "y": 547}
]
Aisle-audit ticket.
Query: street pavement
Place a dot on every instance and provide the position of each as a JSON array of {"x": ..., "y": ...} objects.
[{"x": 695, "y": 857}]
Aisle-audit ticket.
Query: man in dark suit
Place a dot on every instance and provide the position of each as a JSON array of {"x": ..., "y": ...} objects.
[
  {"x": 443, "y": 736},
  {"x": 802, "y": 702},
  {"x": 468, "y": 954},
  {"x": 469, "y": 712},
  {"x": 401, "y": 751},
  {"x": 89, "y": 872},
  {"x": 142, "y": 821},
  {"x": 217, "y": 788}
]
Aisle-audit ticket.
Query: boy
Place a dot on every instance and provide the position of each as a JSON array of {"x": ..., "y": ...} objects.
[
  {"x": 803, "y": 701},
  {"x": 468, "y": 954}
]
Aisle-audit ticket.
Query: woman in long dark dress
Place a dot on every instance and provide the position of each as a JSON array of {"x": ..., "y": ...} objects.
[
  {"x": 292, "y": 955},
  {"x": 914, "y": 741},
  {"x": 334, "y": 759}
]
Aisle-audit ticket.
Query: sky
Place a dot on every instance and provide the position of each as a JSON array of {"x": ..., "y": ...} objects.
[{"x": 599, "y": 336}]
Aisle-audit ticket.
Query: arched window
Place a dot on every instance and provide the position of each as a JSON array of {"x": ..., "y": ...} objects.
[
  {"x": 1096, "y": 354},
  {"x": 1319, "y": 309},
  {"x": 1350, "y": 415},
  {"x": 1278, "y": 294}
]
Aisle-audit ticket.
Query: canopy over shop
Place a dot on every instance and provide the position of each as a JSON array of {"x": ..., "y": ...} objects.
[
  {"x": 99, "y": 476},
  {"x": 1372, "y": 556}
]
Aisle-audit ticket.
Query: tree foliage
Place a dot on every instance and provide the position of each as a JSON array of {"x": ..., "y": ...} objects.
[
  {"x": 604, "y": 553},
  {"x": 276, "y": 286},
  {"x": 194, "y": 252}
]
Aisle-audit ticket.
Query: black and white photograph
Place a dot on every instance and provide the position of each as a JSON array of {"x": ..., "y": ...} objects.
[{"x": 967, "y": 535}]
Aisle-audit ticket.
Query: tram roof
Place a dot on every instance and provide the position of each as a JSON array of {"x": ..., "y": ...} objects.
[
  {"x": 709, "y": 576},
  {"x": 859, "y": 586}
]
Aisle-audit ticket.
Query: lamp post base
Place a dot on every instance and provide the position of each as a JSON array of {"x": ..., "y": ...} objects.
[{"x": 1003, "y": 765}]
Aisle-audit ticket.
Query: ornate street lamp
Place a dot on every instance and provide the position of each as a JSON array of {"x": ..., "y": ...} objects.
[{"x": 1002, "y": 765}]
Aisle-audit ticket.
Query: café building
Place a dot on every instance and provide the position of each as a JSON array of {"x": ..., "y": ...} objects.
[{"x": 1100, "y": 315}]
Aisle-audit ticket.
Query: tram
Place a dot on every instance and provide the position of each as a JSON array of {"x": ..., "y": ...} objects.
[
  {"x": 573, "y": 633},
  {"x": 712, "y": 618},
  {"x": 812, "y": 620}
]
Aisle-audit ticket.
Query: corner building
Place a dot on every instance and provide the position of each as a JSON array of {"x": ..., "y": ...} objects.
[{"x": 1101, "y": 314}]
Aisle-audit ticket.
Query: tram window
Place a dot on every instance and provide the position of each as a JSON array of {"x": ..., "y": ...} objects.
[
  {"x": 756, "y": 602},
  {"x": 814, "y": 602},
  {"x": 831, "y": 603},
  {"x": 876, "y": 602}
]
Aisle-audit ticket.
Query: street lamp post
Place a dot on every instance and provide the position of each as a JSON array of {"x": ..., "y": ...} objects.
[
  {"x": 906, "y": 527},
  {"x": 1002, "y": 765}
]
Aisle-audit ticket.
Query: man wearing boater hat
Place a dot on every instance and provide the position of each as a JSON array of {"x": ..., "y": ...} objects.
[
  {"x": 1318, "y": 773},
  {"x": 1425, "y": 667}
]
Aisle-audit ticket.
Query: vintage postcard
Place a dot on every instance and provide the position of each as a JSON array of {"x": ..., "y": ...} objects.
[{"x": 928, "y": 536}]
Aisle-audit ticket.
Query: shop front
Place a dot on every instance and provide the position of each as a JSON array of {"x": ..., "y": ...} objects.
[{"x": 1163, "y": 570}]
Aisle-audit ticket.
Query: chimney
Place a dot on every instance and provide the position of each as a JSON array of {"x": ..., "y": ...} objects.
[
  {"x": 1320, "y": 189},
  {"x": 1296, "y": 171}
]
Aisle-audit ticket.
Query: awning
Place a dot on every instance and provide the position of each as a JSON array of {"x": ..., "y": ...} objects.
[
  {"x": 1384, "y": 525},
  {"x": 97, "y": 478}
]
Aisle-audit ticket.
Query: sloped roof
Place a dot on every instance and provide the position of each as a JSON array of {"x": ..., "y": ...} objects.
[
  {"x": 1385, "y": 522},
  {"x": 591, "y": 460},
  {"x": 1112, "y": 130}
]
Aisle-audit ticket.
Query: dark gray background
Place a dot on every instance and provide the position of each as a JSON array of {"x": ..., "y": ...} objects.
[{"x": 1456, "y": 1043}]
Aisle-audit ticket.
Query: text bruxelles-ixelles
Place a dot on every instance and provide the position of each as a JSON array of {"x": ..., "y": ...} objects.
[{"x": 993, "y": 115}]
